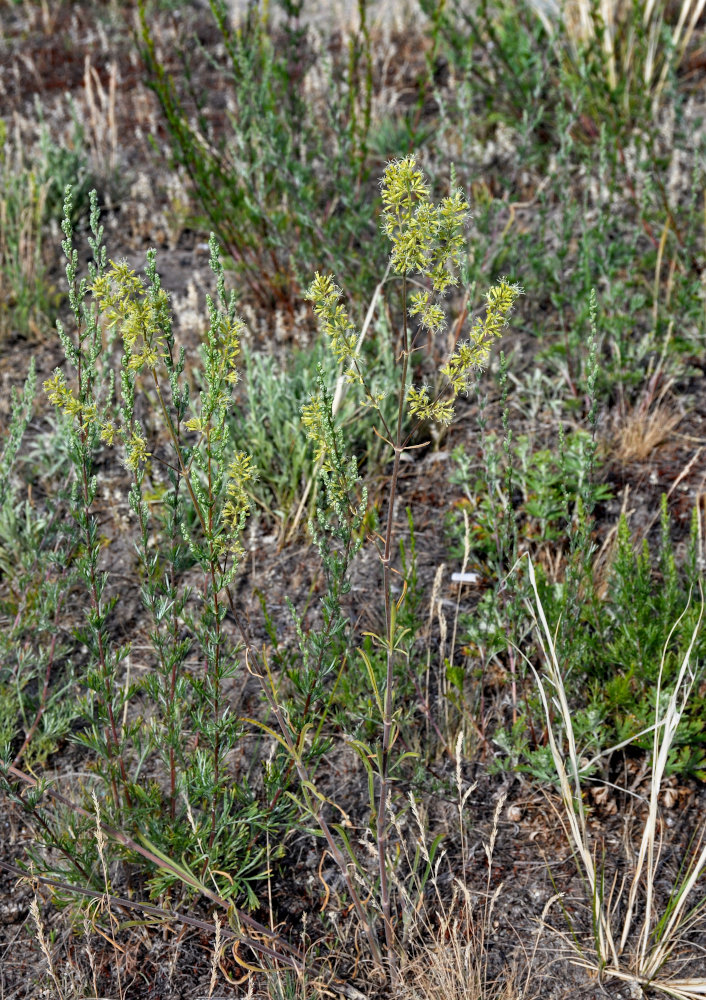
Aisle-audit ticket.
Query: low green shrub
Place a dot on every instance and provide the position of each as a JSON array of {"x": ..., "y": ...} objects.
[
  {"x": 25, "y": 295},
  {"x": 283, "y": 177},
  {"x": 162, "y": 743},
  {"x": 616, "y": 622}
]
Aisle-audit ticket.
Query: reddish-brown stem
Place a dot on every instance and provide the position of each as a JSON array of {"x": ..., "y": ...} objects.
[{"x": 172, "y": 695}]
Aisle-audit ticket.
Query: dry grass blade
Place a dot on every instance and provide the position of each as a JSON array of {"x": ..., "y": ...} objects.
[
  {"x": 44, "y": 946},
  {"x": 646, "y": 961},
  {"x": 618, "y": 24},
  {"x": 572, "y": 800},
  {"x": 664, "y": 732}
]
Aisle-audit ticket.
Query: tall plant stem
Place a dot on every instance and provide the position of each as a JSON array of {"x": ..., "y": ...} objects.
[
  {"x": 112, "y": 739},
  {"x": 213, "y": 665},
  {"x": 177, "y": 448},
  {"x": 207, "y": 526},
  {"x": 216, "y": 681},
  {"x": 387, "y": 722},
  {"x": 165, "y": 669}
]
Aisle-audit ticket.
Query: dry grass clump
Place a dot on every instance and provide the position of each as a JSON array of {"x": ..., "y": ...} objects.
[
  {"x": 449, "y": 941},
  {"x": 635, "y": 939},
  {"x": 613, "y": 23},
  {"x": 23, "y": 293},
  {"x": 453, "y": 964},
  {"x": 643, "y": 430}
]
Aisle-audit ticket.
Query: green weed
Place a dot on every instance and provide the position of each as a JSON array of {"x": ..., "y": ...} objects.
[
  {"x": 197, "y": 810},
  {"x": 567, "y": 156},
  {"x": 37, "y": 686},
  {"x": 189, "y": 811},
  {"x": 617, "y": 624},
  {"x": 283, "y": 177},
  {"x": 25, "y": 296}
]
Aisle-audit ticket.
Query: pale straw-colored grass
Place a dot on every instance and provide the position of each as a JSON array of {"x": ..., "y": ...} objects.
[
  {"x": 635, "y": 941},
  {"x": 619, "y": 29},
  {"x": 449, "y": 938},
  {"x": 643, "y": 430}
]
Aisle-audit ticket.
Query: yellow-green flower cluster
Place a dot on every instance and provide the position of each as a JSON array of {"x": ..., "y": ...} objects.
[
  {"x": 426, "y": 238},
  {"x": 424, "y": 408},
  {"x": 142, "y": 318},
  {"x": 222, "y": 351},
  {"x": 475, "y": 352},
  {"x": 62, "y": 395},
  {"x": 241, "y": 471},
  {"x": 335, "y": 322},
  {"x": 136, "y": 451},
  {"x": 339, "y": 472},
  {"x": 403, "y": 186},
  {"x": 431, "y": 315},
  {"x": 469, "y": 356},
  {"x": 313, "y": 419},
  {"x": 229, "y": 332}
]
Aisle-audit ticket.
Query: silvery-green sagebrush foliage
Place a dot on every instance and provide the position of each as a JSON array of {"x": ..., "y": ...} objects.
[
  {"x": 179, "y": 722},
  {"x": 183, "y": 713}
]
